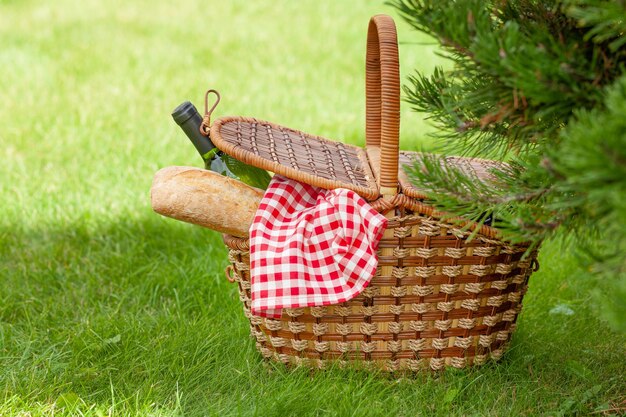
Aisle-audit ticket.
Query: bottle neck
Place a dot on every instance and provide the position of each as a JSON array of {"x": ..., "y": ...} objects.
[{"x": 187, "y": 117}]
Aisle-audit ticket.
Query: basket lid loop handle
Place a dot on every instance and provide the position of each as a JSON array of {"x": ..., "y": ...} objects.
[
  {"x": 205, "y": 127},
  {"x": 382, "y": 91}
]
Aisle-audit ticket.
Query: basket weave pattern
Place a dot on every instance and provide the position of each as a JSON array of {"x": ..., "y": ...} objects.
[
  {"x": 312, "y": 159},
  {"x": 479, "y": 168},
  {"x": 438, "y": 298}
]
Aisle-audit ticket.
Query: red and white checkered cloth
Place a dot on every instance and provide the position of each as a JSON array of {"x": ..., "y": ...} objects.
[{"x": 311, "y": 247}]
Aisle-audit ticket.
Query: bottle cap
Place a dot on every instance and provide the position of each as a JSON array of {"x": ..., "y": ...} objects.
[{"x": 184, "y": 112}]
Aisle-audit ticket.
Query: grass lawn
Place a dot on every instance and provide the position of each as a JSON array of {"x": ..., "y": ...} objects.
[{"x": 109, "y": 309}]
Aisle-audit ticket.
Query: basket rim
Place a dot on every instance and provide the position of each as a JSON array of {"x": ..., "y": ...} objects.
[{"x": 462, "y": 229}]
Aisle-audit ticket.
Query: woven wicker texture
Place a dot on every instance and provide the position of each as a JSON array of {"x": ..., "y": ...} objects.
[
  {"x": 382, "y": 101},
  {"x": 475, "y": 167},
  {"x": 437, "y": 299},
  {"x": 294, "y": 154}
]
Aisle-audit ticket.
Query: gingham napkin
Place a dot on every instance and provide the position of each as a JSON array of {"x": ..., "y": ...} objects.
[{"x": 311, "y": 247}]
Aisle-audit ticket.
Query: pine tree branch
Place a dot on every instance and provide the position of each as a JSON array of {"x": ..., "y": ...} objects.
[{"x": 542, "y": 84}]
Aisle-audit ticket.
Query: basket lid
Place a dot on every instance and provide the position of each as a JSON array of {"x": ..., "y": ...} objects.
[
  {"x": 294, "y": 154},
  {"x": 322, "y": 162},
  {"x": 480, "y": 169}
]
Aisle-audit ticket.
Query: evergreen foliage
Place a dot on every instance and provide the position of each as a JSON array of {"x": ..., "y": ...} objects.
[{"x": 542, "y": 85}]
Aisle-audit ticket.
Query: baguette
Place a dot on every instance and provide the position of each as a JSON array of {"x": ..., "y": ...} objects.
[{"x": 205, "y": 198}]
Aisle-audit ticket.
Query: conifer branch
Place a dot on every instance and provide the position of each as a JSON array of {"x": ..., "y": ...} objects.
[{"x": 541, "y": 84}]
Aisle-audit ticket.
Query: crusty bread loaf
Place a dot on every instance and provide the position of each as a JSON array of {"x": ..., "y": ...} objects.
[{"x": 205, "y": 198}]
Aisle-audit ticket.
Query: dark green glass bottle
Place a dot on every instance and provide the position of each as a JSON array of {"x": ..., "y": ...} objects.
[{"x": 187, "y": 117}]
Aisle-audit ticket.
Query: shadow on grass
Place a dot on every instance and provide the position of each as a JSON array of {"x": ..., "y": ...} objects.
[{"x": 132, "y": 310}]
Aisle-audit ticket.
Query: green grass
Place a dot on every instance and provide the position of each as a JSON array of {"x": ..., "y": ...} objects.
[{"x": 108, "y": 309}]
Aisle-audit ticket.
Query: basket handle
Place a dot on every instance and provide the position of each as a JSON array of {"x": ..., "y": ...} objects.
[{"x": 382, "y": 91}]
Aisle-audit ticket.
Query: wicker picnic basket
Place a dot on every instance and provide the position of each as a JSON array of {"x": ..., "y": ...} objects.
[{"x": 437, "y": 298}]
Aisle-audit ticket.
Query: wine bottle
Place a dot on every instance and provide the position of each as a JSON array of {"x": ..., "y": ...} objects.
[{"x": 187, "y": 117}]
